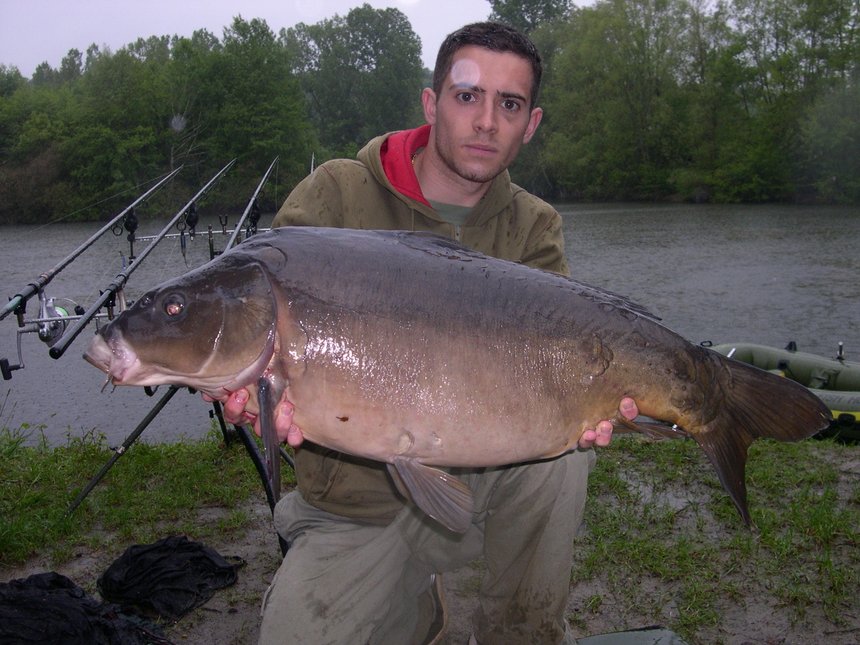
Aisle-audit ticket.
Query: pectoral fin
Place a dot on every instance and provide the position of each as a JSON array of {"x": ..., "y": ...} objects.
[
  {"x": 653, "y": 429},
  {"x": 269, "y": 391},
  {"x": 439, "y": 494}
]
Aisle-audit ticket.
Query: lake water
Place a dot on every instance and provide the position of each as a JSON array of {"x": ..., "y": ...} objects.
[
  {"x": 64, "y": 397},
  {"x": 762, "y": 274},
  {"x": 767, "y": 274}
]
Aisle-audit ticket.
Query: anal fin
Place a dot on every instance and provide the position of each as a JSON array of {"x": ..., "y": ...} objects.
[{"x": 439, "y": 494}]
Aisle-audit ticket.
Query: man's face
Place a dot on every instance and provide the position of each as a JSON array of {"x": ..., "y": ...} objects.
[{"x": 482, "y": 114}]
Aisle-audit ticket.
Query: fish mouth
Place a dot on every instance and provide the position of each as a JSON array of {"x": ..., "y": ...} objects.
[{"x": 114, "y": 358}]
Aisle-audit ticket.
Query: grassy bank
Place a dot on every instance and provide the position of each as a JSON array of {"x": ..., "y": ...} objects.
[
  {"x": 662, "y": 543},
  {"x": 150, "y": 491},
  {"x": 666, "y": 545}
]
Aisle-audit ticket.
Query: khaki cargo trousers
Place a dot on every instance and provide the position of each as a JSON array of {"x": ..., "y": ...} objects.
[{"x": 348, "y": 582}]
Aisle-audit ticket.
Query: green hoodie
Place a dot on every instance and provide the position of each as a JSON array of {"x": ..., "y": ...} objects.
[{"x": 379, "y": 190}]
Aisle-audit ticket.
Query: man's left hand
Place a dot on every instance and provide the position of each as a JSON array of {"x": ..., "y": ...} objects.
[{"x": 602, "y": 434}]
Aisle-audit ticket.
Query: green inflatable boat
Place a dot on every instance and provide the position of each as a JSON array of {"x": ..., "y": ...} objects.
[{"x": 835, "y": 381}]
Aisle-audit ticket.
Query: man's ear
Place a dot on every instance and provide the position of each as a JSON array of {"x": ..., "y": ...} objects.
[
  {"x": 534, "y": 121},
  {"x": 428, "y": 102}
]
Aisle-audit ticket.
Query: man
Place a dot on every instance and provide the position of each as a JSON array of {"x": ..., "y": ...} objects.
[{"x": 362, "y": 565}]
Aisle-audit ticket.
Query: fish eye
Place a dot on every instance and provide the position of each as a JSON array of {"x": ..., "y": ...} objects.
[{"x": 174, "y": 304}]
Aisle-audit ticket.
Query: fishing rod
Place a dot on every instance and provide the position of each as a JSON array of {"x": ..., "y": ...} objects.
[
  {"x": 108, "y": 296},
  {"x": 252, "y": 450},
  {"x": 251, "y": 209},
  {"x": 19, "y": 300},
  {"x": 251, "y": 214},
  {"x": 119, "y": 452}
]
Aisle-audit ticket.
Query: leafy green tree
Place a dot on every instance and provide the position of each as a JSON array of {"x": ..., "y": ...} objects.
[
  {"x": 529, "y": 170},
  {"x": 613, "y": 103},
  {"x": 44, "y": 75},
  {"x": 362, "y": 75},
  {"x": 10, "y": 81},
  {"x": 120, "y": 119},
  {"x": 716, "y": 127},
  {"x": 33, "y": 123},
  {"x": 828, "y": 45},
  {"x": 154, "y": 50},
  {"x": 106, "y": 122},
  {"x": 187, "y": 77},
  {"x": 252, "y": 107},
  {"x": 528, "y": 15},
  {"x": 831, "y": 134},
  {"x": 794, "y": 53},
  {"x": 93, "y": 52},
  {"x": 651, "y": 98},
  {"x": 71, "y": 67}
]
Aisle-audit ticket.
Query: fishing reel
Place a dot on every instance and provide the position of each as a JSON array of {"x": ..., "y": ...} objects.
[
  {"x": 49, "y": 326},
  {"x": 54, "y": 314}
]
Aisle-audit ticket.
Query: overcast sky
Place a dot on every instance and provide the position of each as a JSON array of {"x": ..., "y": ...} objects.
[{"x": 33, "y": 31}]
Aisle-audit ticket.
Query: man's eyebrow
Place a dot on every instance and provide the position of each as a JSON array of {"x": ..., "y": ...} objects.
[
  {"x": 480, "y": 90},
  {"x": 512, "y": 95},
  {"x": 466, "y": 86}
]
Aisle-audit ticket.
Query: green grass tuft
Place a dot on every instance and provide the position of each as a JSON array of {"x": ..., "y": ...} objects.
[
  {"x": 657, "y": 518},
  {"x": 151, "y": 490}
]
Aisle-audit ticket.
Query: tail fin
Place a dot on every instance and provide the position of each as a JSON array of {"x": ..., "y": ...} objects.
[{"x": 757, "y": 405}]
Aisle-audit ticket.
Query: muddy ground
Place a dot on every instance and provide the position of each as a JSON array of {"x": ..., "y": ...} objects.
[{"x": 232, "y": 615}]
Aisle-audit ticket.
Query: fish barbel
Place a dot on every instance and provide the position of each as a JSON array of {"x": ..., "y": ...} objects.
[{"x": 410, "y": 349}]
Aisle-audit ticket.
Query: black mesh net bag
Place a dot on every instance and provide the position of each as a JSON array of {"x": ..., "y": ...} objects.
[
  {"x": 166, "y": 579},
  {"x": 50, "y": 608}
]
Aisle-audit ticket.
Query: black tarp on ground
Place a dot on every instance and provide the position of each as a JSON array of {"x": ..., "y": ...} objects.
[
  {"x": 50, "y": 608},
  {"x": 166, "y": 579}
]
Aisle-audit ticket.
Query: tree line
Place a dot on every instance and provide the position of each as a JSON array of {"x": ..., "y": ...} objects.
[{"x": 727, "y": 101}]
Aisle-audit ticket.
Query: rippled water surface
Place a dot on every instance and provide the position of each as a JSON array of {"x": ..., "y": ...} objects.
[
  {"x": 730, "y": 273},
  {"x": 63, "y": 396},
  {"x": 762, "y": 274}
]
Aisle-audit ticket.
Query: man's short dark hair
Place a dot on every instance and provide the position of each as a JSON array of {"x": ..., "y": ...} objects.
[{"x": 495, "y": 37}]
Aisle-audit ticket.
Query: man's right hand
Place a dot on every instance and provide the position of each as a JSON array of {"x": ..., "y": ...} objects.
[{"x": 234, "y": 412}]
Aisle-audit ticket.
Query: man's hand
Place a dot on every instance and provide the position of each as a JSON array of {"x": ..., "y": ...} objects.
[
  {"x": 602, "y": 434},
  {"x": 234, "y": 412}
]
